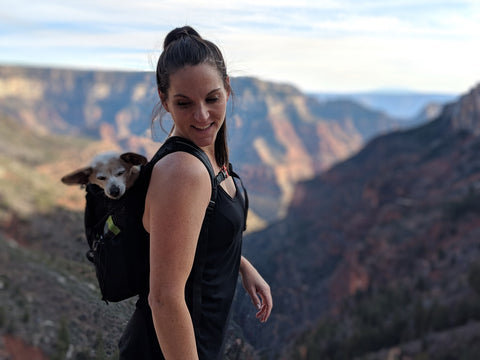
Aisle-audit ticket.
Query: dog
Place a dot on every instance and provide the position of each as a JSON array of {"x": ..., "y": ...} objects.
[{"x": 115, "y": 173}]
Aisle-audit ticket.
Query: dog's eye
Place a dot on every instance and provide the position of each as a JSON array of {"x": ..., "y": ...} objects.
[
  {"x": 101, "y": 178},
  {"x": 120, "y": 173}
]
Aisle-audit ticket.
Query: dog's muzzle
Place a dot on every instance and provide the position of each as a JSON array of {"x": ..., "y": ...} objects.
[{"x": 114, "y": 191}]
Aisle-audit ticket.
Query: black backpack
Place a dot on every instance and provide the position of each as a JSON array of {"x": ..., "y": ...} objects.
[{"x": 119, "y": 244}]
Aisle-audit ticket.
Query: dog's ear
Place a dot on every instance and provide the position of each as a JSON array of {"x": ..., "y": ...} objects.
[
  {"x": 133, "y": 158},
  {"x": 79, "y": 176}
]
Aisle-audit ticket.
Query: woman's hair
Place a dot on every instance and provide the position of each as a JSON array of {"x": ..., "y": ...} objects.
[{"x": 185, "y": 47}]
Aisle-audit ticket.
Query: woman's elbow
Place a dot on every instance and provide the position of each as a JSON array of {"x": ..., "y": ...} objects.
[
  {"x": 164, "y": 301},
  {"x": 154, "y": 301}
]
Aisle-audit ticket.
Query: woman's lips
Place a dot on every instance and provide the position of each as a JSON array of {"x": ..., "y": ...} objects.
[{"x": 202, "y": 128}]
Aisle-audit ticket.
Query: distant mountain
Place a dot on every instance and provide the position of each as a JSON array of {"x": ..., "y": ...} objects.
[
  {"x": 53, "y": 121},
  {"x": 278, "y": 135},
  {"x": 377, "y": 256},
  {"x": 381, "y": 253},
  {"x": 403, "y": 105}
]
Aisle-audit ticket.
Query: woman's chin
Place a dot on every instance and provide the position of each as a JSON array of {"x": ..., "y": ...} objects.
[{"x": 204, "y": 137}]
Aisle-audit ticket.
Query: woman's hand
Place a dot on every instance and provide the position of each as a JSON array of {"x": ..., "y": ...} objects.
[{"x": 257, "y": 288}]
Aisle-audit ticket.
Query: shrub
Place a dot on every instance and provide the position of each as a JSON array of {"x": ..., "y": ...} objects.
[{"x": 63, "y": 342}]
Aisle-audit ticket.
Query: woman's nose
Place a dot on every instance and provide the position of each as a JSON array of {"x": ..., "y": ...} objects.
[{"x": 201, "y": 113}]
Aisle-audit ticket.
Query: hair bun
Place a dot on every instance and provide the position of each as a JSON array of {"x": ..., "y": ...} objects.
[{"x": 179, "y": 33}]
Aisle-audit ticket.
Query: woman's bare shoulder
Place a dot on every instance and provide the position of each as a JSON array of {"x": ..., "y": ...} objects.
[{"x": 181, "y": 169}]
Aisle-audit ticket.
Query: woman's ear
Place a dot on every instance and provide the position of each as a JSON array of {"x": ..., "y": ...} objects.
[{"x": 163, "y": 100}]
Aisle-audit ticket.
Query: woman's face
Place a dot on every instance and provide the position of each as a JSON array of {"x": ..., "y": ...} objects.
[{"x": 197, "y": 102}]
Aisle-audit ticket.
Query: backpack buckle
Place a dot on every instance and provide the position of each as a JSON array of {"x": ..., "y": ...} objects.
[
  {"x": 222, "y": 175},
  {"x": 224, "y": 171}
]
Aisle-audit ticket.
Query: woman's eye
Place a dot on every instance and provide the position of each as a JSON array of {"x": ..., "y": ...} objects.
[
  {"x": 213, "y": 99},
  {"x": 183, "y": 103}
]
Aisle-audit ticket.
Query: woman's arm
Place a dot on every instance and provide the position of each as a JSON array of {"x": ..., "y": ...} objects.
[
  {"x": 178, "y": 195},
  {"x": 257, "y": 288}
]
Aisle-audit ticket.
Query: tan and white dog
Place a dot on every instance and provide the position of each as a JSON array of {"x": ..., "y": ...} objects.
[{"x": 113, "y": 172}]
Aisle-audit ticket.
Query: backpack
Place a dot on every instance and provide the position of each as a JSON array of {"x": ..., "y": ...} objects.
[{"x": 118, "y": 242}]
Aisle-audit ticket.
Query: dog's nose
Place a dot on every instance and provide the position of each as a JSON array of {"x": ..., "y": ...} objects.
[{"x": 114, "y": 191}]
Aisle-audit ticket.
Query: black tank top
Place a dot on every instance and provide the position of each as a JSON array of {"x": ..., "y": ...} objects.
[
  {"x": 209, "y": 290},
  {"x": 220, "y": 273}
]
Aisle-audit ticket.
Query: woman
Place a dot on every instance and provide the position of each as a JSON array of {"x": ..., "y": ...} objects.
[{"x": 194, "y": 88}]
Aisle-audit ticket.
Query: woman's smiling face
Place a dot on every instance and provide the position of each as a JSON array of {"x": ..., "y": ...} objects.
[{"x": 197, "y": 101}]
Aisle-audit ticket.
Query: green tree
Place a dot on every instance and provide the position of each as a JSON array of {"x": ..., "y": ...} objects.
[
  {"x": 100, "y": 348},
  {"x": 63, "y": 341}
]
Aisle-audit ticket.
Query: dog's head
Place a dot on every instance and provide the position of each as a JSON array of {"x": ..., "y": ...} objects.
[{"x": 114, "y": 173}]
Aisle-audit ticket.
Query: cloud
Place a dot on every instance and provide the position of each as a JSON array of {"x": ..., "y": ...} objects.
[{"x": 317, "y": 45}]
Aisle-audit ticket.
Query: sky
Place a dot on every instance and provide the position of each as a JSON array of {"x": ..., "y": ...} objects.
[{"x": 315, "y": 45}]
